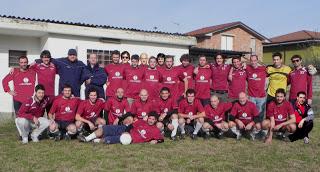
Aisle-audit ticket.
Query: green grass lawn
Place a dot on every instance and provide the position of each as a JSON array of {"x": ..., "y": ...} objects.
[{"x": 201, "y": 155}]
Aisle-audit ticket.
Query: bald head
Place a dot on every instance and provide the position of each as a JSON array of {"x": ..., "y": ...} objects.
[
  {"x": 120, "y": 93},
  {"x": 214, "y": 101},
  {"x": 143, "y": 95},
  {"x": 243, "y": 98}
]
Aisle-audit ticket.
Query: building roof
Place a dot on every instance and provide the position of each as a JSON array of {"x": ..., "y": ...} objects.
[
  {"x": 224, "y": 27},
  {"x": 88, "y": 25},
  {"x": 295, "y": 37}
]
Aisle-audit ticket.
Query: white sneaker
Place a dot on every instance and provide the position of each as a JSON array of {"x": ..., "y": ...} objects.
[
  {"x": 35, "y": 139},
  {"x": 25, "y": 140},
  {"x": 252, "y": 136},
  {"x": 238, "y": 136},
  {"x": 306, "y": 140}
]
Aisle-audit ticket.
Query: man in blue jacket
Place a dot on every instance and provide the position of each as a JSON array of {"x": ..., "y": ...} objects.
[
  {"x": 71, "y": 71},
  {"x": 98, "y": 77}
]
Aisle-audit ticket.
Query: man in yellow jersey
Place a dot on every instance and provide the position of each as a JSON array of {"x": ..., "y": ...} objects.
[{"x": 278, "y": 76}]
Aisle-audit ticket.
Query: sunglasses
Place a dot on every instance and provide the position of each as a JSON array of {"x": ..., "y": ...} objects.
[
  {"x": 293, "y": 61},
  {"x": 125, "y": 57}
]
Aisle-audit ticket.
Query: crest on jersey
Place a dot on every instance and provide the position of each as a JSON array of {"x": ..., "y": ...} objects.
[
  {"x": 117, "y": 110},
  {"x": 169, "y": 78},
  {"x": 244, "y": 115},
  {"x": 201, "y": 77},
  {"x": 254, "y": 75},
  {"x": 117, "y": 73},
  {"x": 190, "y": 113},
  {"x": 280, "y": 116},
  {"x": 67, "y": 109},
  {"x": 92, "y": 114},
  {"x": 143, "y": 114},
  {"x": 216, "y": 117},
  {"x": 25, "y": 80},
  {"x": 165, "y": 110},
  {"x": 135, "y": 77},
  {"x": 151, "y": 77},
  {"x": 185, "y": 74}
]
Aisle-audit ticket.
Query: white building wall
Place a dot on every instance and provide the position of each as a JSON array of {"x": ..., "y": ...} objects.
[{"x": 7, "y": 42}]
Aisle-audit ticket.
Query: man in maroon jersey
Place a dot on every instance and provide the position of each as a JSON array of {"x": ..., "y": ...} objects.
[
  {"x": 143, "y": 106},
  {"x": 203, "y": 81},
  {"x": 256, "y": 78},
  {"x": 186, "y": 72},
  {"x": 190, "y": 112},
  {"x": 220, "y": 72},
  {"x": 160, "y": 60},
  {"x": 125, "y": 58},
  {"x": 171, "y": 78},
  {"x": 115, "y": 72},
  {"x": 116, "y": 107},
  {"x": 62, "y": 115},
  {"x": 30, "y": 115},
  {"x": 152, "y": 79},
  {"x": 244, "y": 117},
  {"x": 23, "y": 83},
  {"x": 133, "y": 77},
  {"x": 281, "y": 117},
  {"x": 144, "y": 60},
  {"x": 168, "y": 110},
  {"x": 215, "y": 119},
  {"x": 237, "y": 79},
  {"x": 88, "y": 113},
  {"x": 140, "y": 131},
  {"x": 300, "y": 80}
]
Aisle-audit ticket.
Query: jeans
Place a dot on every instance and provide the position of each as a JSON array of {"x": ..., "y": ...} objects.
[{"x": 260, "y": 104}]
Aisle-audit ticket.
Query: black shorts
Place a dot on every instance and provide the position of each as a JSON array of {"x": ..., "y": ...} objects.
[
  {"x": 62, "y": 125},
  {"x": 210, "y": 122},
  {"x": 167, "y": 119}
]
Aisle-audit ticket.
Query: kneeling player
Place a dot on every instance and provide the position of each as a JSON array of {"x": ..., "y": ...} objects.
[
  {"x": 281, "y": 118},
  {"x": 62, "y": 115},
  {"x": 215, "y": 119},
  {"x": 244, "y": 117},
  {"x": 87, "y": 116},
  {"x": 191, "y": 112},
  {"x": 140, "y": 131},
  {"x": 168, "y": 110}
]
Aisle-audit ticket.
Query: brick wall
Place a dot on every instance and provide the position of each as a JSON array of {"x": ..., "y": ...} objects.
[{"x": 241, "y": 41}]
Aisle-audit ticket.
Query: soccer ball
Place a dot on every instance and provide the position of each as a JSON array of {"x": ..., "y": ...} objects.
[{"x": 125, "y": 139}]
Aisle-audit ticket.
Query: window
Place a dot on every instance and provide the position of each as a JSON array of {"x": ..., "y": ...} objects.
[
  {"x": 14, "y": 57},
  {"x": 104, "y": 56},
  {"x": 253, "y": 45},
  {"x": 226, "y": 42}
]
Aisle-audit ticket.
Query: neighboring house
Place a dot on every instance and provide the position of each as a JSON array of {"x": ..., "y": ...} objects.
[
  {"x": 231, "y": 39},
  {"x": 305, "y": 43},
  {"x": 25, "y": 36}
]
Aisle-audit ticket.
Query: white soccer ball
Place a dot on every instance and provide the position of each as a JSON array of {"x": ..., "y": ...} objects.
[{"x": 125, "y": 139}]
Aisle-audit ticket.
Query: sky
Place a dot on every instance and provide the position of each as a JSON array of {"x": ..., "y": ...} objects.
[{"x": 269, "y": 17}]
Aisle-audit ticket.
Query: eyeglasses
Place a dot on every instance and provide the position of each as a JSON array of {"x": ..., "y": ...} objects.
[{"x": 293, "y": 61}]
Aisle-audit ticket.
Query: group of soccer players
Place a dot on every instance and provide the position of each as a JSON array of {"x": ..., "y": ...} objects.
[{"x": 149, "y": 98}]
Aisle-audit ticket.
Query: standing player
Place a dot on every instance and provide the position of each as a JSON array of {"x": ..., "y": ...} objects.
[
  {"x": 244, "y": 117},
  {"x": 237, "y": 79},
  {"x": 168, "y": 110},
  {"x": 171, "y": 78},
  {"x": 98, "y": 77},
  {"x": 202, "y": 81},
  {"x": 152, "y": 79},
  {"x": 144, "y": 60},
  {"x": 186, "y": 72},
  {"x": 133, "y": 77},
  {"x": 23, "y": 83},
  {"x": 281, "y": 118},
  {"x": 190, "y": 112},
  {"x": 256, "y": 78},
  {"x": 88, "y": 113},
  {"x": 115, "y": 72},
  {"x": 300, "y": 80},
  {"x": 220, "y": 72},
  {"x": 160, "y": 60},
  {"x": 30, "y": 115},
  {"x": 62, "y": 115},
  {"x": 116, "y": 107},
  {"x": 142, "y": 106},
  {"x": 278, "y": 76},
  {"x": 125, "y": 58},
  {"x": 215, "y": 119}
]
